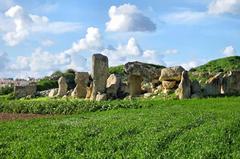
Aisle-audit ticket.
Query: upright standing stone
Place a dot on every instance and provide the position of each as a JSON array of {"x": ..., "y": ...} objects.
[
  {"x": 134, "y": 83},
  {"x": 81, "y": 80},
  {"x": 113, "y": 84},
  {"x": 184, "y": 88},
  {"x": 231, "y": 83},
  {"x": 62, "y": 87},
  {"x": 213, "y": 86},
  {"x": 99, "y": 74}
]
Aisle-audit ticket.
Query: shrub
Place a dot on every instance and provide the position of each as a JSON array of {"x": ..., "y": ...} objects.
[
  {"x": 46, "y": 84},
  {"x": 6, "y": 90},
  {"x": 62, "y": 106}
]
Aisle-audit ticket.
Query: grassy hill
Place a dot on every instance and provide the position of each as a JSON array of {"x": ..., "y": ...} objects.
[
  {"x": 207, "y": 128},
  {"x": 220, "y": 65}
]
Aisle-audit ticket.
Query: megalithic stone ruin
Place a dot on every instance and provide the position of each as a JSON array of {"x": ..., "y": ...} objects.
[
  {"x": 81, "y": 80},
  {"x": 99, "y": 74}
]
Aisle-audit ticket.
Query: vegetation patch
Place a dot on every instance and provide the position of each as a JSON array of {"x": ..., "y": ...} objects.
[{"x": 206, "y": 128}]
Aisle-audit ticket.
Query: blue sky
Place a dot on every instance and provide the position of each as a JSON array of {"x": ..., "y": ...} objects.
[{"x": 41, "y": 36}]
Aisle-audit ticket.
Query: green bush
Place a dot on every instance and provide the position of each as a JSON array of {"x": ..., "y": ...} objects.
[
  {"x": 63, "y": 106},
  {"x": 45, "y": 84},
  {"x": 117, "y": 70},
  {"x": 6, "y": 90}
]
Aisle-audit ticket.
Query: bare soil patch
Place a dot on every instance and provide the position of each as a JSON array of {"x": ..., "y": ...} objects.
[{"x": 15, "y": 116}]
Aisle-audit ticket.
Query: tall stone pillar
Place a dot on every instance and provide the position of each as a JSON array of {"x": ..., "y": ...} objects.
[
  {"x": 134, "y": 83},
  {"x": 62, "y": 87},
  {"x": 99, "y": 74}
]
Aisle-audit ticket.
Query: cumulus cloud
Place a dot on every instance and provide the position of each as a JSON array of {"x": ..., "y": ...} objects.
[
  {"x": 229, "y": 51},
  {"x": 41, "y": 62},
  {"x": 92, "y": 41},
  {"x": 224, "y": 6},
  {"x": 17, "y": 25},
  {"x": 128, "y": 18},
  {"x": 216, "y": 7},
  {"x": 191, "y": 64},
  {"x": 132, "y": 52}
]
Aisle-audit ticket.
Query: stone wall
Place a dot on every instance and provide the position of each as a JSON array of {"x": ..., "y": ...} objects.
[{"x": 24, "y": 91}]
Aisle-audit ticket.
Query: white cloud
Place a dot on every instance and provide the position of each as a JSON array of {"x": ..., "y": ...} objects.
[
  {"x": 216, "y": 7},
  {"x": 229, "y": 51},
  {"x": 224, "y": 6},
  {"x": 41, "y": 61},
  {"x": 171, "y": 52},
  {"x": 131, "y": 52},
  {"x": 184, "y": 17},
  {"x": 191, "y": 64},
  {"x": 128, "y": 18},
  {"x": 92, "y": 41},
  {"x": 17, "y": 25},
  {"x": 47, "y": 43}
]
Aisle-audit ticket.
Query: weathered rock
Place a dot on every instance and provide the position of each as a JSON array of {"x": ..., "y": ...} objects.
[
  {"x": 148, "y": 72},
  {"x": 134, "y": 83},
  {"x": 26, "y": 90},
  {"x": 231, "y": 83},
  {"x": 113, "y": 84},
  {"x": 99, "y": 74},
  {"x": 213, "y": 86},
  {"x": 89, "y": 91},
  {"x": 195, "y": 87},
  {"x": 123, "y": 90},
  {"x": 101, "y": 97},
  {"x": 171, "y": 74},
  {"x": 196, "y": 96},
  {"x": 43, "y": 93},
  {"x": 147, "y": 95},
  {"x": 53, "y": 93},
  {"x": 168, "y": 91},
  {"x": 81, "y": 80},
  {"x": 147, "y": 87},
  {"x": 168, "y": 84},
  {"x": 62, "y": 87},
  {"x": 184, "y": 88}
]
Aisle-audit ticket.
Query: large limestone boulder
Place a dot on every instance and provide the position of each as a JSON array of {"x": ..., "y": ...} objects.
[
  {"x": 53, "y": 92},
  {"x": 81, "y": 80},
  {"x": 184, "y": 88},
  {"x": 62, "y": 87},
  {"x": 231, "y": 83},
  {"x": 196, "y": 91},
  {"x": 29, "y": 90},
  {"x": 148, "y": 72},
  {"x": 213, "y": 86},
  {"x": 139, "y": 73},
  {"x": 134, "y": 84},
  {"x": 89, "y": 91},
  {"x": 123, "y": 90},
  {"x": 168, "y": 84},
  {"x": 171, "y": 74},
  {"x": 101, "y": 96},
  {"x": 99, "y": 74},
  {"x": 113, "y": 84},
  {"x": 195, "y": 87}
]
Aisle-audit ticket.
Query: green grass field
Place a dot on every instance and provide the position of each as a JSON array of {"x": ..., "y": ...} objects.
[{"x": 205, "y": 128}]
